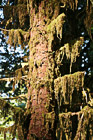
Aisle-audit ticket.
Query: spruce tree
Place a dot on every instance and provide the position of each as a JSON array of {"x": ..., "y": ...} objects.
[{"x": 59, "y": 105}]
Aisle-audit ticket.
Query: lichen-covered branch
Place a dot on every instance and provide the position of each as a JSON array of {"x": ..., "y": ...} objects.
[
  {"x": 17, "y": 37},
  {"x": 5, "y": 106},
  {"x": 55, "y": 28},
  {"x": 68, "y": 87},
  {"x": 22, "y": 97},
  {"x": 71, "y": 51},
  {"x": 84, "y": 124}
]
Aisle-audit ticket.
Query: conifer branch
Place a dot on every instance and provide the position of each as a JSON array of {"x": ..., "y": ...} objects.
[
  {"x": 4, "y": 105},
  {"x": 12, "y": 78},
  {"x": 85, "y": 109},
  {"x": 4, "y": 129},
  {"x": 1, "y": 6},
  {"x": 4, "y": 30},
  {"x": 22, "y": 96},
  {"x": 14, "y": 29}
]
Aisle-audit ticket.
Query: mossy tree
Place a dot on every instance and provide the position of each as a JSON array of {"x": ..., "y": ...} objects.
[{"x": 57, "y": 107}]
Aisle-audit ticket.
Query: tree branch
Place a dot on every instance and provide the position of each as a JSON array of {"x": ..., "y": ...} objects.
[
  {"x": 4, "y": 104},
  {"x": 12, "y": 78},
  {"x": 1, "y": 6},
  {"x": 20, "y": 96},
  {"x": 86, "y": 108},
  {"x": 4, "y": 29}
]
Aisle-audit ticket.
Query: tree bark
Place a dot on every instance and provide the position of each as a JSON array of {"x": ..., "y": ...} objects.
[
  {"x": 46, "y": 24},
  {"x": 39, "y": 76},
  {"x": 39, "y": 95}
]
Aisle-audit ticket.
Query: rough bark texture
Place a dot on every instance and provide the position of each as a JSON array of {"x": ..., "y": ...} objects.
[
  {"x": 49, "y": 97},
  {"x": 58, "y": 107},
  {"x": 37, "y": 90},
  {"x": 40, "y": 78}
]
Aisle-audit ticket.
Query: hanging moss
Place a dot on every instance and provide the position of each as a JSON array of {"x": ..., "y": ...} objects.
[
  {"x": 65, "y": 87},
  {"x": 56, "y": 25},
  {"x": 17, "y": 16},
  {"x": 71, "y": 51},
  {"x": 20, "y": 75},
  {"x": 65, "y": 126},
  {"x": 11, "y": 130},
  {"x": 6, "y": 109},
  {"x": 65, "y": 131},
  {"x": 48, "y": 10},
  {"x": 6, "y": 106},
  {"x": 55, "y": 28},
  {"x": 70, "y": 4},
  {"x": 20, "y": 117},
  {"x": 84, "y": 124},
  {"x": 89, "y": 19},
  {"x": 21, "y": 1},
  {"x": 50, "y": 118},
  {"x": 16, "y": 37}
]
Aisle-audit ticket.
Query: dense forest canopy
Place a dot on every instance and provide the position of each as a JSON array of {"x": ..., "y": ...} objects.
[{"x": 46, "y": 70}]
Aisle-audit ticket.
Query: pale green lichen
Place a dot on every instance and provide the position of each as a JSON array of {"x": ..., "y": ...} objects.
[
  {"x": 55, "y": 27},
  {"x": 84, "y": 120},
  {"x": 64, "y": 87},
  {"x": 70, "y": 4},
  {"x": 71, "y": 51},
  {"x": 84, "y": 124},
  {"x": 16, "y": 37},
  {"x": 50, "y": 118}
]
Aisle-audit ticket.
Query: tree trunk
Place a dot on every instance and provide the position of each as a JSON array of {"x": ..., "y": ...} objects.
[
  {"x": 52, "y": 94},
  {"x": 40, "y": 77},
  {"x": 37, "y": 90}
]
